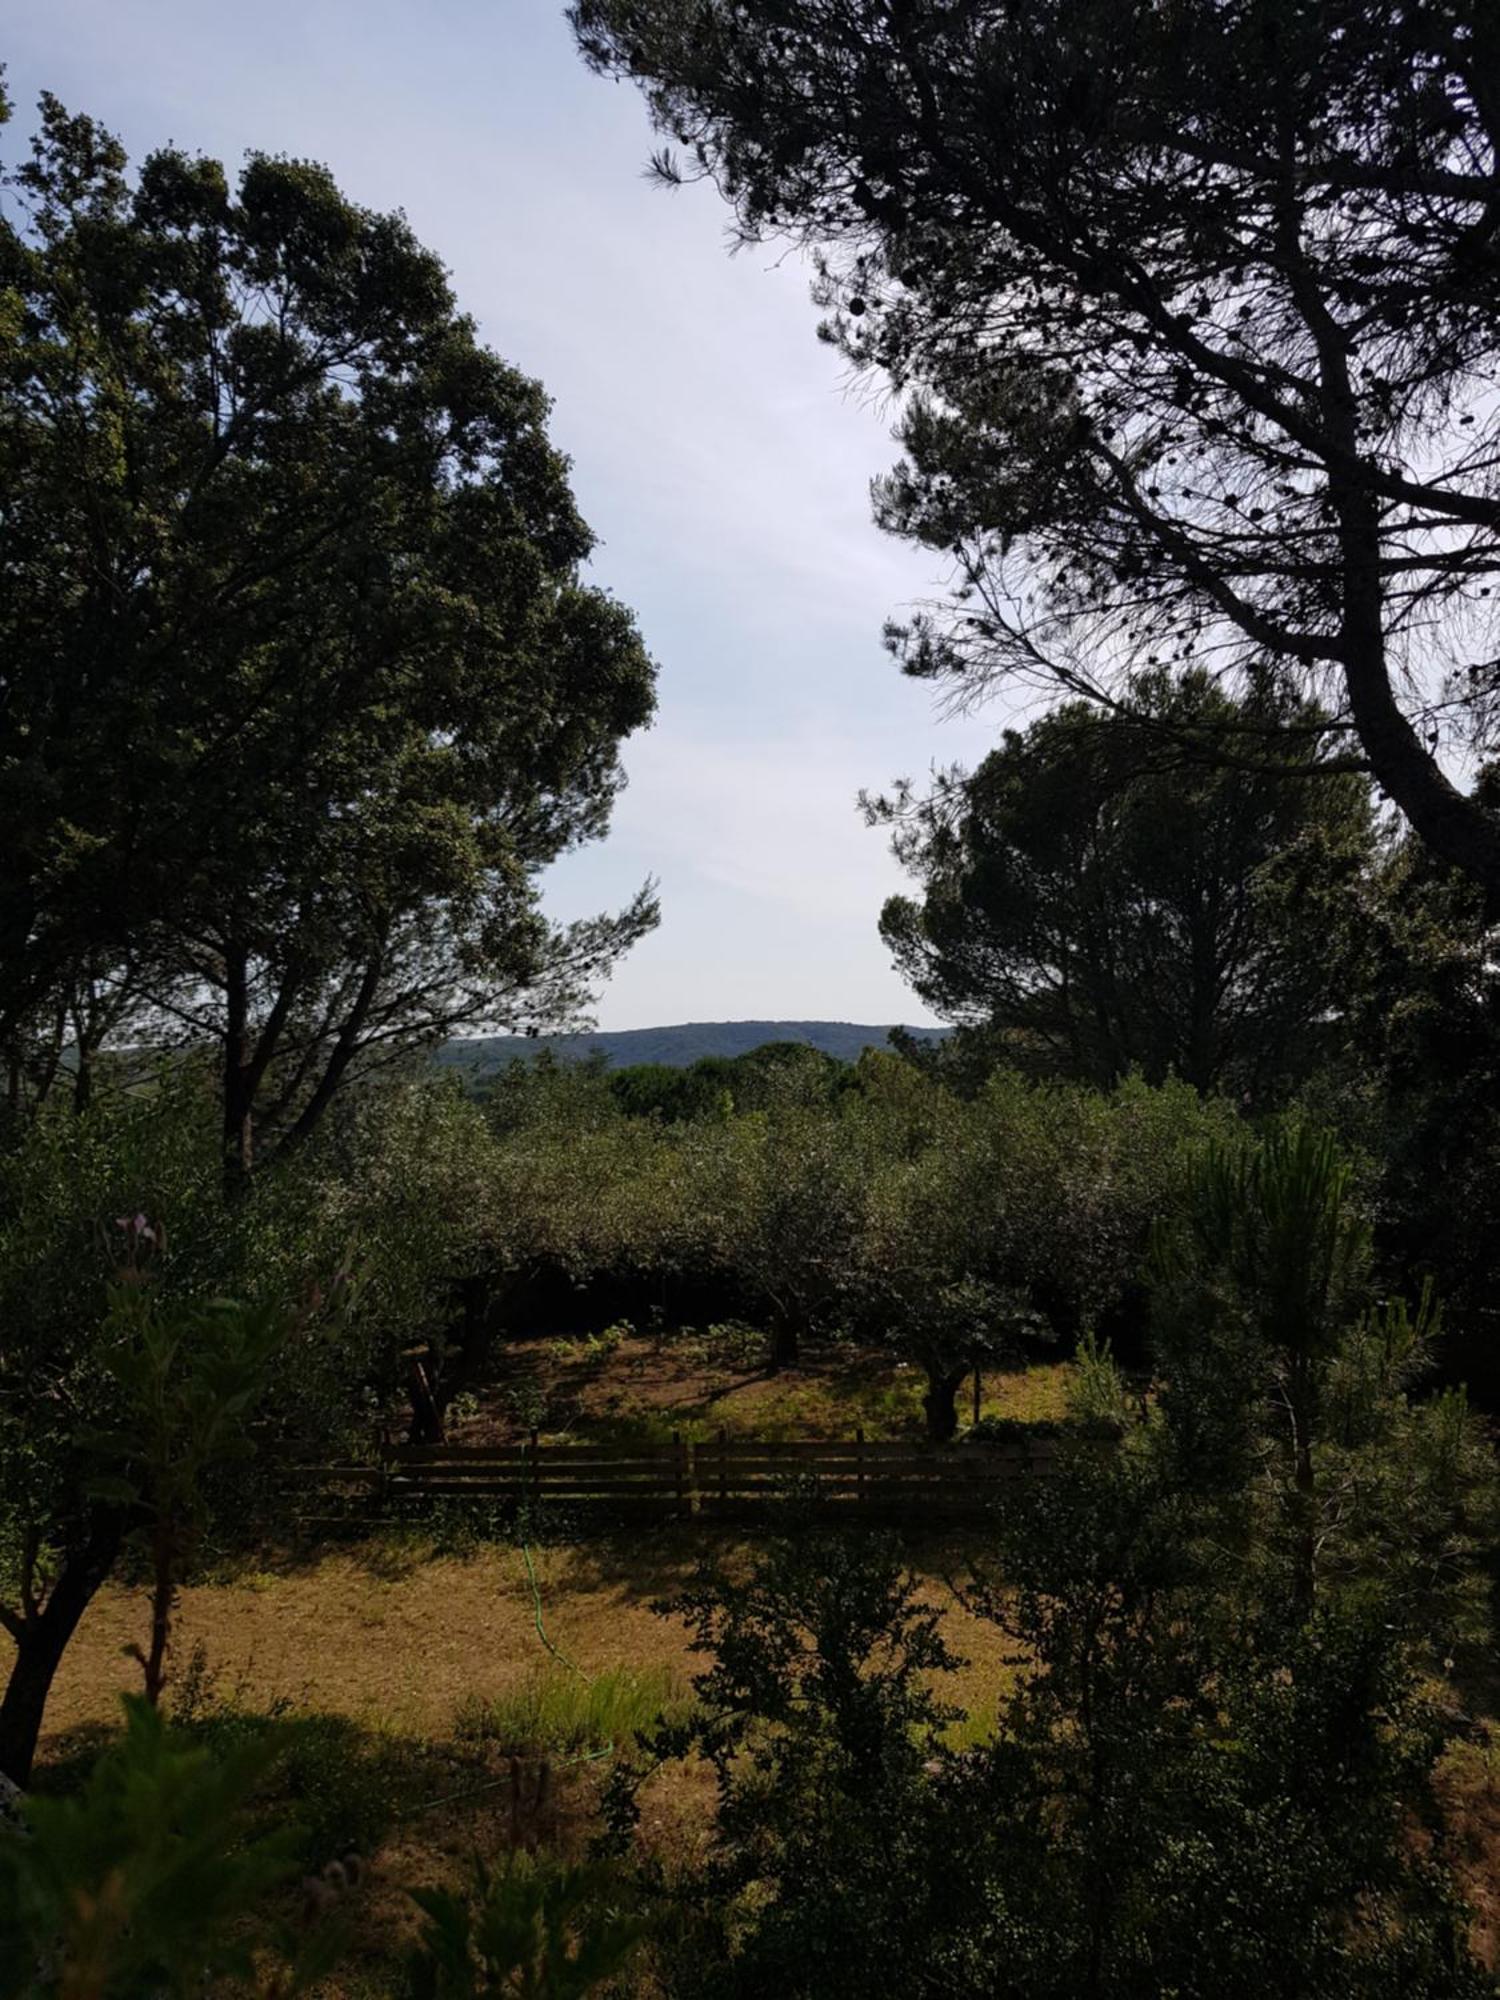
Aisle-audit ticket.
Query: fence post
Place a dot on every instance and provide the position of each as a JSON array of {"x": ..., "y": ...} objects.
[
  {"x": 723, "y": 1473},
  {"x": 536, "y": 1477},
  {"x": 695, "y": 1498},
  {"x": 679, "y": 1467},
  {"x": 859, "y": 1464}
]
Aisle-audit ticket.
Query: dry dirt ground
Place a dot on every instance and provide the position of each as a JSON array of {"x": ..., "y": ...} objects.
[
  {"x": 390, "y": 1634},
  {"x": 396, "y": 1638},
  {"x": 1469, "y": 1791}
]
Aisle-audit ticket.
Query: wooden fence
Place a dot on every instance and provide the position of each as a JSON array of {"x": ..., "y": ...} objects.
[{"x": 719, "y": 1475}]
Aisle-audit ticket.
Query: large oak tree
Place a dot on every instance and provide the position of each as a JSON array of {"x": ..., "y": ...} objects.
[
  {"x": 1193, "y": 306},
  {"x": 301, "y": 683}
]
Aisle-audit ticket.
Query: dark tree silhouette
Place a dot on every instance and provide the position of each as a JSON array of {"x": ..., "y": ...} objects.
[{"x": 1192, "y": 308}]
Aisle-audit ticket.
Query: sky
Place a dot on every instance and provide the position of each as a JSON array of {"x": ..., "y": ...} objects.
[{"x": 719, "y": 451}]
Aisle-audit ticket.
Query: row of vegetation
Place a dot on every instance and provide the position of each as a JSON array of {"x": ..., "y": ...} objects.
[
  {"x": 382, "y": 1277},
  {"x": 379, "y": 1277}
]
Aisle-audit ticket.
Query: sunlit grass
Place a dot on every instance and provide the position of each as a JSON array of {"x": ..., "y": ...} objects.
[
  {"x": 565, "y": 1714},
  {"x": 830, "y": 1397}
]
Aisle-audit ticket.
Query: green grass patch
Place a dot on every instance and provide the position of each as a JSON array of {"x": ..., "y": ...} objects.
[
  {"x": 974, "y": 1730},
  {"x": 566, "y": 1715}
]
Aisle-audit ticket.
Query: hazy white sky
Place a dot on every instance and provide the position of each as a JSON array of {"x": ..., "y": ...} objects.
[{"x": 715, "y": 447}]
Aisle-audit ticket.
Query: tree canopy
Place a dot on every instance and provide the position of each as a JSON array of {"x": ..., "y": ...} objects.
[
  {"x": 1191, "y": 309},
  {"x": 1103, "y": 894},
  {"x": 303, "y": 684}
]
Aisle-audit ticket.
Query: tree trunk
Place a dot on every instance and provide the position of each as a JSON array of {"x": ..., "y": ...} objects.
[
  {"x": 474, "y": 1334},
  {"x": 343, "y": 1052},
  {"x": 449, "y": 1366},
  {"x": 1305, "y": 1544},
  {"x": 1454, "y": 824},
  {"x": 1201, "y": 1066},
  {"x": 41, "y": 1642},
  {"x": 941, "y": 1403},
  {"x": 163, "y": 1599},
  {"x": 427, "y": 1404},
  {"x": 785, "y": 1348},
  {"x": 238, "y": 1083},
  {"x": 1305, "y": 1492}
]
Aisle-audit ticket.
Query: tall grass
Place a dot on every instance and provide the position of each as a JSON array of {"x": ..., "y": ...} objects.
[{"x": 565, "y": 1714}]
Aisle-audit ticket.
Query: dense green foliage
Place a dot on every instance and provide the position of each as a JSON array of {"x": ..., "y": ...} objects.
[
  {"x": 819, "y": 1720},
  {"x": 672, "y": 1047},
  {"x": 853, "y": 1210},
  {"x": 142, "y": 1883},
  {"x": 384, "y": 1265},
  {"x": 1108, "y": 892},
  {"x": 1424, "y": 1096},
  {"x": 127, "y": 1378},
  {"x": 154, "y": 1879},
  {"x": 1205, "y": 1779},
  {"x": 303, "y": 686},
  {"x": 533, "y": 1930}
]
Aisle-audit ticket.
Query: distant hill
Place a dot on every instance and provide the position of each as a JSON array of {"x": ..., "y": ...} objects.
[{"x": 677, "y": 1046}]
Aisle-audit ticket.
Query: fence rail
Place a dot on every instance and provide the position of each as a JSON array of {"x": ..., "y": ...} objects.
[{"x": 693, "y": 1476}]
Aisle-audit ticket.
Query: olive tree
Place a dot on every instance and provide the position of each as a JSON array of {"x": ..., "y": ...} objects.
[{"x": 146, "y": 1324}]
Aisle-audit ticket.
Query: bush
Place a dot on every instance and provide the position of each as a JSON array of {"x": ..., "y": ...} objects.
[
  {"x": 335, "y": 1783},
  {"x": 145, "y": 1881},
  {"x": 820, "y": 1720},
  {"x": 536, "y": 1929}
]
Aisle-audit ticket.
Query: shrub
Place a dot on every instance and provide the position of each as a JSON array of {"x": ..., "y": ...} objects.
[
  {"x": 538, "y": 1929},
  {"x": 818, "y": 1715},
  {"x": 144, "y": 1881},
  {"x": 337, "y": 1784}
]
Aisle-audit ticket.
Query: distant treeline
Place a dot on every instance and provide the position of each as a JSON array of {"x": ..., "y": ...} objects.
[
  {"x": 678, "y": 1045},
  {"x": 710, "y": 1087}
]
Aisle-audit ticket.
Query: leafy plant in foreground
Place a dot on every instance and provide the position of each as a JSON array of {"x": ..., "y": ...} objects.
[
  {"x": 145, "y": 1882},
  {"x": 188, "y": 1377},
  {"x": 820, "y": 1722},
  {"x": 533, "y": 1929}
]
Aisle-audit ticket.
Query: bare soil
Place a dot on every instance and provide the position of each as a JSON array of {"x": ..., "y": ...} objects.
[{"x": 396, "y": 1638}]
